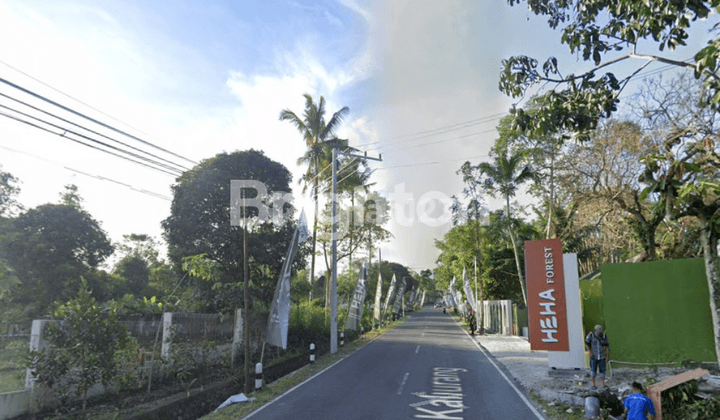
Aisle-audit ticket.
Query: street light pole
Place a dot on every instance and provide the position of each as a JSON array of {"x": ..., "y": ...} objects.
[{"x": 333, "y": 277}]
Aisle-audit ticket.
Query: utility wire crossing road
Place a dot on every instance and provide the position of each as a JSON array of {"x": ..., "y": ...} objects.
[{"x": 426, "y": 368}]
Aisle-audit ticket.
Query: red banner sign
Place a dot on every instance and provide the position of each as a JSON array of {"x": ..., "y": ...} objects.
[{"x": 545, "y": 279}]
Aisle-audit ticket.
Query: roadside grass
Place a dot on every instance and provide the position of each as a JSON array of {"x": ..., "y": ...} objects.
[
  {"x": 273, "y": 390},
  {"x": 557, "y": 410}
]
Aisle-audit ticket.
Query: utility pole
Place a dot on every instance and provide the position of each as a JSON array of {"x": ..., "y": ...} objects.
[
  {"x": 246, "y": 300},
  {"x": 333, "y": 287}
]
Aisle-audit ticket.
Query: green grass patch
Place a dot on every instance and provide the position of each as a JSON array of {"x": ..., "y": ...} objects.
[{"x": 282, "y": 385}]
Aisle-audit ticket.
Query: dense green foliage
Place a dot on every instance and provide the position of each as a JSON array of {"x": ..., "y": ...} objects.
[
  {"x": 82, "y": 347},
  {"x": 49, "y": 248},
  {"x": 199, "y": 224}
]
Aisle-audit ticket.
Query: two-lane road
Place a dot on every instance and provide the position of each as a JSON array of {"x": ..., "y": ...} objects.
[{"x": 426, "y": 368}]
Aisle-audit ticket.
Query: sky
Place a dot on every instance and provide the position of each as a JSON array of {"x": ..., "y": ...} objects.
[{"x": 201, "y": 78}]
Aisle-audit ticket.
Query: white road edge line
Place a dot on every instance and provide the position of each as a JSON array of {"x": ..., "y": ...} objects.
[
  {"x": 402, "y": 384},
  {"x": 309, "y": 379},
  {"x": 520, "y": 394},
  {"x": 417, "y": 349}
]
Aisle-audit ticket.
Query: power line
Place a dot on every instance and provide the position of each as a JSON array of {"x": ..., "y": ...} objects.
[
  {"x": 441, "y": 141},
  {"x": 65, "y": 131},
  {"x": 79, "y": 114},
  {"x": 102, "y": 178},
  {"x": 71, "y": 97},
  {"x": 430, "y": 163},
  {"x": 85, "y": 144},
  {"x": 86, "y": 129},
  {"x": 440, "y": 130}
]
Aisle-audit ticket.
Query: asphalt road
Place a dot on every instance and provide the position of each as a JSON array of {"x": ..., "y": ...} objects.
[{"x": 426, "y": 368}]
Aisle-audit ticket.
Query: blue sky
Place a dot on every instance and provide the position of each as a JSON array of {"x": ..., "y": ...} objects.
[{"x": 199, "y": 78}]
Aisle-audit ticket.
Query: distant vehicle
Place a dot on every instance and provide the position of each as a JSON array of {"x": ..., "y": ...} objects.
[{"x": 438, "y": 305}]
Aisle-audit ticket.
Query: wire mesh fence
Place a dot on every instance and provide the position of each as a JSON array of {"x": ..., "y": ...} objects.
[
  {"x": 145, "y": 328},
  {"x": 202, "y": 328},
  {"x": 13, "y": 354}
]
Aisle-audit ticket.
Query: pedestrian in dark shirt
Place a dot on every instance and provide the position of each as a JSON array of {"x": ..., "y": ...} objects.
[
  {"x": 637, "y": 405},
  {"x": 596, "y": 343}
]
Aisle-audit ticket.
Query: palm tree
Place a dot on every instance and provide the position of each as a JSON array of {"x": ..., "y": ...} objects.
[
  {"x": 319, "y": 137},
  {"x": 504, "y": 175}
]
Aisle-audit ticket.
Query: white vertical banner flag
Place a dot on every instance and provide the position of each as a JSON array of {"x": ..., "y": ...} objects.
[
  {"x": 468, "y": 291},
  {"x": 451, "y": 294},
  {"x": 377, "y": 312},
  {"x": 391, "y": 292},
  {"x": 399, "y": 297},
  {"x": 357, "y": 302},
  {"x": 279, "y": 318},
  {"x": 411, "y": 300},
  {"x": 422, "y": 299}
]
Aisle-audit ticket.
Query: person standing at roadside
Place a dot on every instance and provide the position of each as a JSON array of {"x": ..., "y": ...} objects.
[{"x": 596, "y": 343}]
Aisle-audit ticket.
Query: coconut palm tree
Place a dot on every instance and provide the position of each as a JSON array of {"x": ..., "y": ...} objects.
[
  {"x": 504, "y": 175},
  {"x": 319, "y": 136}
]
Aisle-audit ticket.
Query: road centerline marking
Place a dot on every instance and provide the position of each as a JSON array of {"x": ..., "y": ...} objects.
[
  {"x": 402, "y": 384},
  {"x": 417, "y": 349}
]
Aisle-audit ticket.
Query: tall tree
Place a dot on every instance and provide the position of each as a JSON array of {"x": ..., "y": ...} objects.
[
  {"x": 199, "y": 224},
  {"x": 503, "y": 176},
  {"x": 684, "y": 175},
  {"x": 8, "y": 207},
  {"x": 475, "y": 211},
  {"x": 50, "y": 247},
  {"x": 9, "y": 190},
  {"x": 319, "y": 137},
  {"x": 605, "y": 32},
  {"x": 607, "y": 168}
]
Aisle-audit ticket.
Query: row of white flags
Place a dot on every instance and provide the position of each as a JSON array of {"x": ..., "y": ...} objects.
[
  {"x": 453, "y": 297},
  {"x": 278, "y": 321},
  {"x": 357, "y": 303}
]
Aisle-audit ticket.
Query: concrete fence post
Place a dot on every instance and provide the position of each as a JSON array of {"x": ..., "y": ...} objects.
[
  {"x": 167, "y": 334},
  {"x": 37, "y": 343},
  {"x": 312, "y": 353},
  {"x": 258, "y": 377},
  {"x": 237, "y": 336},
  {"x": 342, "y": 339}
]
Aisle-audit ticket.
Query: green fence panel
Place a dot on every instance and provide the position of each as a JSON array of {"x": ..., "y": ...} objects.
[
  {"x": 658, "y": 312},
  {"x": 592, "y": 304}
]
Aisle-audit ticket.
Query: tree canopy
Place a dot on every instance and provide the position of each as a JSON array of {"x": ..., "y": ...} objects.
[
  {"x": 200, "y": 224},
  {"x": 50, "y": 247},
  {"x": 605, "y": 33}
]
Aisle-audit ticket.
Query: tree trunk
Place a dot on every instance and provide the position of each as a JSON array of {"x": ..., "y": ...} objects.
[
  {"x": 515, "y": 252},
  {"x": 651, "y": 248},
  {"x": 552, "y": 194},
  {"x": 712, "y": 271}
]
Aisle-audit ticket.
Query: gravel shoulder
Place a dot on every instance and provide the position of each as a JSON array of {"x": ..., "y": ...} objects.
[{"x": 530, "y": 369}]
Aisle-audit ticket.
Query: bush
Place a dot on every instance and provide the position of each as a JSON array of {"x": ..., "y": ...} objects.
[
  {"x": 82, "y": 348},
  {"x": 703, "y": 409},
  {"x": 309, "y": 323}
]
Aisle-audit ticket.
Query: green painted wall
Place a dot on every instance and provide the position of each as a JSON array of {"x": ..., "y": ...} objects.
[
  {"x": 592, "y": 304},
  {"x": 658, "y": 311}
]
